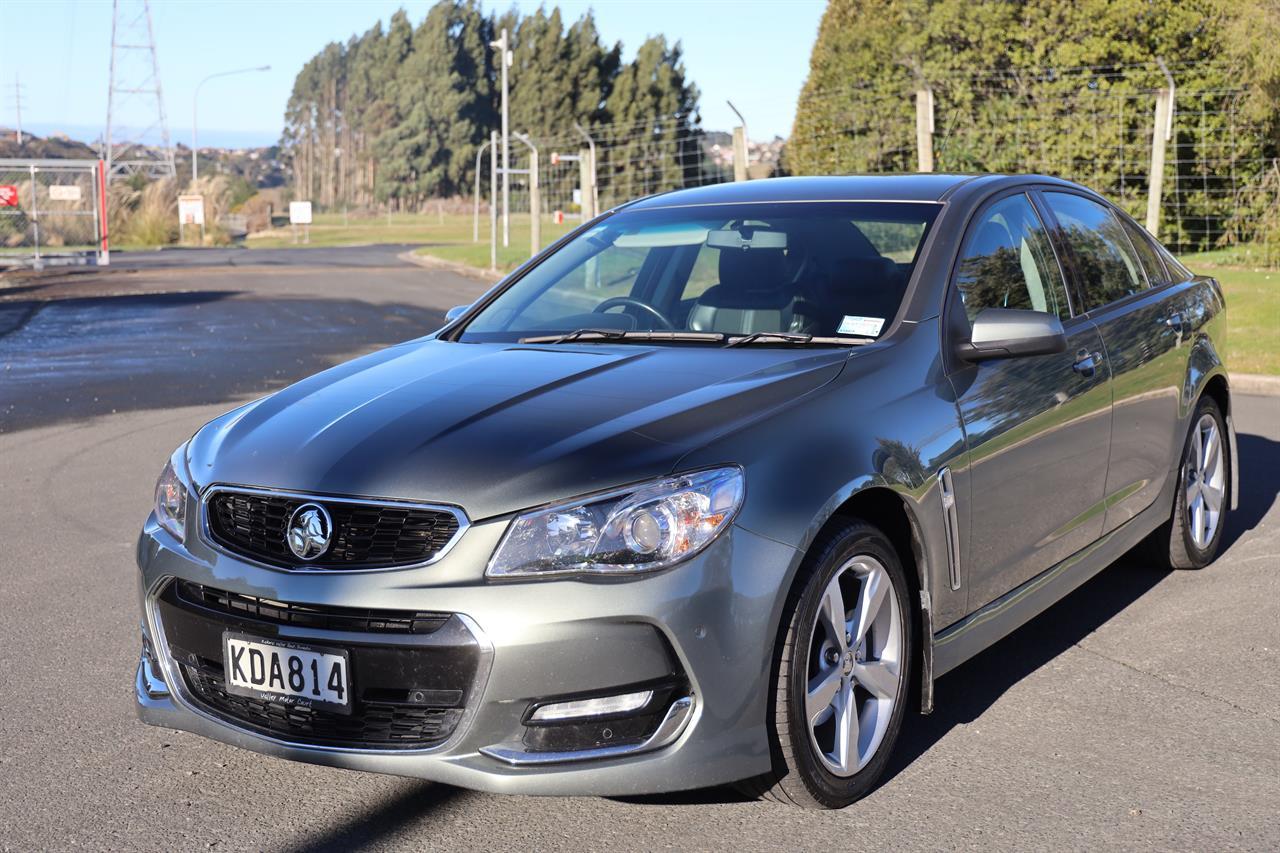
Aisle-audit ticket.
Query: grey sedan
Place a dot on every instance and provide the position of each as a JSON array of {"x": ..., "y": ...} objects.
[{"x": 709, "y": 492}]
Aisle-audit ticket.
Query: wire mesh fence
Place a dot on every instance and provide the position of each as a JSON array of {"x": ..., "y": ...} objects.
[
  {"x": 1097, "y": 126},
  {"x": 51, "y": 209}
]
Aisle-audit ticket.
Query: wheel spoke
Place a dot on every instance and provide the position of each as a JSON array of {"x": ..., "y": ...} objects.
[
  {"x": 832, "y": 614},
  {"x": 1212, "y": 496},
  {"x": 879, "y": 677},
  {"x": 847, "y": 730},
  {"x": 870, "y": 599},
  {"x": 1210, "y": 453},
  {"x": 822, "y": 690},
  {"x": 1199, "y": 443},
  {"x": 1198, "y": 521}
]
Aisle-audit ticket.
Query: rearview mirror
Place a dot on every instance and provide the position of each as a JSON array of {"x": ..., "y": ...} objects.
[
  {"x": 1011, "y": 332},
  {"x": 455, "y": 312}
]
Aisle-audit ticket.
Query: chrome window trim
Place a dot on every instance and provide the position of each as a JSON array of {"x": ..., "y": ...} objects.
[
  {"x": 178, "y": 690},
  {"x": 206, "y": 535}
]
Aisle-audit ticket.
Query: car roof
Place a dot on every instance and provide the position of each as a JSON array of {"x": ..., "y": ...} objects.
[{"x": 920, "y": 186}]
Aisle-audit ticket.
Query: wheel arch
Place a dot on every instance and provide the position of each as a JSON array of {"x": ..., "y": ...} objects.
[{"x": 894, "y": 515}]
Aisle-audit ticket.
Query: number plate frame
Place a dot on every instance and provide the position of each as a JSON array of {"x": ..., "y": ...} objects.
[{"x": 268, "y": 693}]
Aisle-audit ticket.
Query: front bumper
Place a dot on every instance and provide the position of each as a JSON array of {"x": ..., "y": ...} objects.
[{"x": 712, "y": 620}]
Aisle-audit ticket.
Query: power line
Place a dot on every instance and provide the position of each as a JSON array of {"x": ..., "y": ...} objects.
[{"x": 132, "y": 36}]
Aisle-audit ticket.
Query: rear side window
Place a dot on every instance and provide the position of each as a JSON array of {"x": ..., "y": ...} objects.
[
  {"x": 1008, "y": 262},
  {"x": 1108, "y": 267},
  {"x": 1147, "y": 254}
]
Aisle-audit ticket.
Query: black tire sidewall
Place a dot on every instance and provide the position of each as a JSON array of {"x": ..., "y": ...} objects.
[{"x": 829, "y": 789}]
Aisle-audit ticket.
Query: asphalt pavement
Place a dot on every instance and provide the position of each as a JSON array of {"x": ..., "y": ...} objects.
[{"x": 1142, "y": 712}]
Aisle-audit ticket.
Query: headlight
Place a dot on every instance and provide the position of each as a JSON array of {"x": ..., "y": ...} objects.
[
  {"x": 645, "y": 528},
  {"x": 171, "y": 499}
]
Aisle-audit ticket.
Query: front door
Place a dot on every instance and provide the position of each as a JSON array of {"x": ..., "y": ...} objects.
[{"x": 1038, "y": 427}]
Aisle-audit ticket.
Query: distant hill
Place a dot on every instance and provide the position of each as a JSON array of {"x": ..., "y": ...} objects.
[
  {"x": 261, "y": 167},
  {"x": 47, "y": 148}
]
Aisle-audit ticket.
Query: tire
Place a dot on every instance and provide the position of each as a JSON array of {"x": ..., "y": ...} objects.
[
  {"x": 1183, "y": 542},
  {"x": 809, "y": 767}
]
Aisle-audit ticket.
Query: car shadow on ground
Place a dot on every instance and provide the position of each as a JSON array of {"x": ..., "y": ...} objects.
[{"x": 372, "y": 829}]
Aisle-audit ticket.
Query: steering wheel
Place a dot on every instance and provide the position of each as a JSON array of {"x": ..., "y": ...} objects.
[{"x": 627, "y": 301}]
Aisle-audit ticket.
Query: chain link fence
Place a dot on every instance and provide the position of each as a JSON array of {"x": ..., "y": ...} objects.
[
  {"x": 1220, "y": 180},
  {"x": 51, "y": 212}
]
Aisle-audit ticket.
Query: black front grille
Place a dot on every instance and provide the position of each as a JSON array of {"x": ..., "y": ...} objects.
[
  {"x": 310, "y": 615},
  {"x": 409, "y": 685},
  {"x": 365, "y": 535},
  {"x": 388, "y": 725}
]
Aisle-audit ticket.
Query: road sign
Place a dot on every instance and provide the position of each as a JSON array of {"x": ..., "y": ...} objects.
[
  {"x": 64, "y": 192},
  {"x": 300, "y": 212},
  {"x": 191, "y": 210},
  {"x": 8, "y": 195}
]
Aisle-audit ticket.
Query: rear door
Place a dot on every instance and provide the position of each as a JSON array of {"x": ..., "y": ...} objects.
[
  {"x": 1121, "y": 281},
  {"x": 1038, "y": 427}
]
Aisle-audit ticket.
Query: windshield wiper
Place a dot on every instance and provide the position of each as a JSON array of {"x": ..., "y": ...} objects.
[
  {"x": 587, "y": 335},
  {"x": 791, "y": 337}
]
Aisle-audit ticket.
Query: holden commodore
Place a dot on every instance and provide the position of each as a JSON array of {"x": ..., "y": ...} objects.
[{"x": 709, "y": 492}]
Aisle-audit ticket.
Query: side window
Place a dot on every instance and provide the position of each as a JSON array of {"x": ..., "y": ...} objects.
[
  {"x": 1108, "y": 268},
  {"x": 1147, "y": 254},
  {"x": 1008, "y": 262}
]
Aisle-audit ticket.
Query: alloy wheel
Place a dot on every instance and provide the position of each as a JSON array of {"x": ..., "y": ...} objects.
[
  {"x": 1204, "y": 481},
  {"x": 855, "y": 666}
]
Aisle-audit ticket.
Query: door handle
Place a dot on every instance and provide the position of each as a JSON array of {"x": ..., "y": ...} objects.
[
  {"x": 1087, "y": 362},
  {"x": 1174, "y": 322}
]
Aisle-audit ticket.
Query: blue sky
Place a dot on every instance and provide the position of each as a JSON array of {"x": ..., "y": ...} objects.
[{"x": 751, "y": 51}]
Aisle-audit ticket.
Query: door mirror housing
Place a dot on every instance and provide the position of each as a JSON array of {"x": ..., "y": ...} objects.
[
  {"x": 455, "y": 312},
  {"x": 1012, "y": 332}
]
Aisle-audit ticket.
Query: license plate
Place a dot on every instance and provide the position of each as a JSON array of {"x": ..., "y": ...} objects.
[{"x": 291, "y": 673}]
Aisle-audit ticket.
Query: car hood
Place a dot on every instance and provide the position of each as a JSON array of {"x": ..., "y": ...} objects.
[{"x": 495, "y": 428}]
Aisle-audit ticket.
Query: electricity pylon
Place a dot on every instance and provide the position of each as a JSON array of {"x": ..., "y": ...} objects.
[{"x": 135, "y": 74}]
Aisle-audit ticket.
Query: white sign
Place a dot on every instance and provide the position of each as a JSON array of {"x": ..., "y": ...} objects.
[
  {"x": 300, "y": 212},
  {"x": 191, "y": 209},
  {"x": 64, "y": 192}
]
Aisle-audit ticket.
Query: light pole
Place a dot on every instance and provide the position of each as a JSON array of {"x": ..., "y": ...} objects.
[
  {"x": 195, "y": 167},
  {"x": 505, "y": 57}
]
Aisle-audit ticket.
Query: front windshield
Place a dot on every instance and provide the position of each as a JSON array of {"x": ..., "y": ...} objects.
[{"x": 830, "y": 269}]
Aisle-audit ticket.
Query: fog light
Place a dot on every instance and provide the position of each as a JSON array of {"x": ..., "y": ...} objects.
[{"x": 623, "y": 703}]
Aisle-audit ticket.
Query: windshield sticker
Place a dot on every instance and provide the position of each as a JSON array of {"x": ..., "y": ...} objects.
[{"x": 867, "y": 327}]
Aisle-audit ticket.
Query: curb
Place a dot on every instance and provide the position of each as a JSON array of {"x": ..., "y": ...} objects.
[
  {"x": 1254, "y": 383},
  {"x": 433, "y": 263}
]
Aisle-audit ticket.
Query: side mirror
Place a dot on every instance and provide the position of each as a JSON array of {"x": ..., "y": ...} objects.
[
  {"x": 455, "y": 312},
  {"x": 1012, "y": 332}
]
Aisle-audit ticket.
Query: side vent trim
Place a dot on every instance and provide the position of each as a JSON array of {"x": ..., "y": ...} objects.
[{"x": 950, "y": 516}]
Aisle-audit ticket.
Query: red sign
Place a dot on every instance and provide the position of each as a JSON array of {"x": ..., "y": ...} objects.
[
  {"x": 559, "y": 217},
  {"x": 8, "y": 195}
]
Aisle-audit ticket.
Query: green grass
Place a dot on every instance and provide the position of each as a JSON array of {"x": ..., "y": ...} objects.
[
  {"x": 448, "y": 237},
  {"x": 1253, "y": 319}
]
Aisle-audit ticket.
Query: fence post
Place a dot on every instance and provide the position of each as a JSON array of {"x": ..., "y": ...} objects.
[
  {"x": 585, "y": 168},
  {"x": 493, "y": 199},
  {"x": 924, "y": 129},
  {"x": 535, "y": 203},
  {"x": 1155, "y": 180},
  {"x": 35, "y": 218},
  {"x": 739, "y": 154},
  {"x": 739, "y": 146},
  {"x": 1161, "y": 132}
]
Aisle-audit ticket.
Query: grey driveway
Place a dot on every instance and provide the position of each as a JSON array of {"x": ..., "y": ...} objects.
[{"x": 1141, "y": 712}]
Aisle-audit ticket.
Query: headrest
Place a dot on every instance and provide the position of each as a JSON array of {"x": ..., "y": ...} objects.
[{"x": 752, "y": 270}]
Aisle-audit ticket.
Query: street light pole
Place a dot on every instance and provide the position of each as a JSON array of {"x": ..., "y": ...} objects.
[
  {"x": 504, "y": 59},
  {"x": 195, "y": 167}
]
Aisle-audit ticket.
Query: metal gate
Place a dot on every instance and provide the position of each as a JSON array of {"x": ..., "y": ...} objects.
[{"x": 52, "y": 212}]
